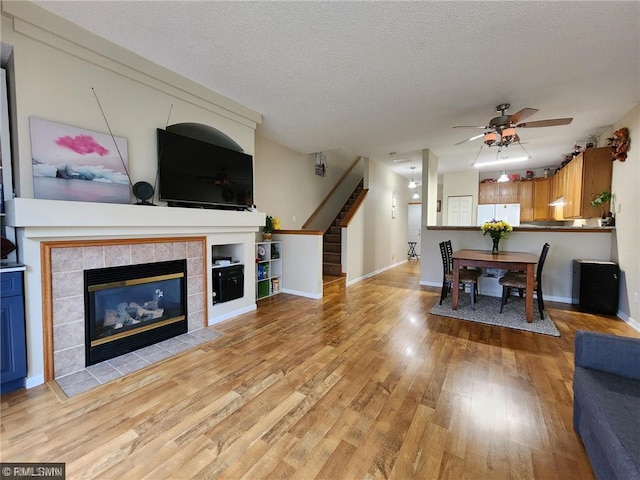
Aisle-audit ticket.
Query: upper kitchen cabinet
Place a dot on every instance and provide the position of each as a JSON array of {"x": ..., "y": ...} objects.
[
  {"x": 542, "y": 197},
  {"x": 488, "y": 193},
  {"x": 588, "y": 174},
  {"x": 558, "y": 188},
  {"x": 526, "y": 201},
  {"x": 493, "y": 192},
  {"x": 509, "y": 192}
]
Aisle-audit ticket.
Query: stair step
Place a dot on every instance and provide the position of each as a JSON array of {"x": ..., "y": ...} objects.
[
  {"x": 331, "y": 269},
  {"x": 333, "y": 230},
  {"x": 329, "y": 238},
  {"x": 333, "y": 284},
  {"x": 332, "y": 248},
  {"x": 330, "y": 257}
]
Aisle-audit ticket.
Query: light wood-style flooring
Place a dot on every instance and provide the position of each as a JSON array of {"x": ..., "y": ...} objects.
[{"x": 364, "y": 383}]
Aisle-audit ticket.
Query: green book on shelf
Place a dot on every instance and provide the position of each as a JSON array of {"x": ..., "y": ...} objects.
[{"x": 263, "y": 289}]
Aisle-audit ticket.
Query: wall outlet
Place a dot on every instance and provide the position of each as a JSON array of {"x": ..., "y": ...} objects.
[
  {"x": 618, "y": 207},
  {"x": 294, "y": 219},
  {"x": 635, "y": 297}
]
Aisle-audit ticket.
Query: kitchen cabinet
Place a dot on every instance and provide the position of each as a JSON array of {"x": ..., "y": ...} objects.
[
  {"x": 541, "y": 199},
  {"x": 558, "y": 185},
  {"x": 488, "y": 193},
  {"x": 509, "y": 192},
  {"x": 494, "y": 192},
  {"x": 588, "y": 174},
  {"x": 526, "y": 201},
  {"x": 13, "y": 346}
]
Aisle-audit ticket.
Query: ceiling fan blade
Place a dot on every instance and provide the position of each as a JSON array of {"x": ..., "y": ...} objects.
[
  {"x": 546, "y": 123},
  {"x": 522, "y": 114},
  {"x": 470, "y": 139},
  {"x": 469, "y": 126}
]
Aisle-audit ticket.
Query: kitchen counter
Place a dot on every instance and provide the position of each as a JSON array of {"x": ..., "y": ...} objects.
[
  {"x": 530, "y": 228},
  {"x": 8, "y": 266}
]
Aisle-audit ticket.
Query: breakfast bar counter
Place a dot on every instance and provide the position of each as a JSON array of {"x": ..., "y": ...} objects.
[{"x": 531, "y": 228}]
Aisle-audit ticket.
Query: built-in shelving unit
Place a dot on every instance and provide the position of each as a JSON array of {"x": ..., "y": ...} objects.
[{"x": 268, "y": 269}]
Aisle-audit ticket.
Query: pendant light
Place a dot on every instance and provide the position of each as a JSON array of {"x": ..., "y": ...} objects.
[
  {"x": 503, "y": 177},
  {"x": 412, "y": 183}
]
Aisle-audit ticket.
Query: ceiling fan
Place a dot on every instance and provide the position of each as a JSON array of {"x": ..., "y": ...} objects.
[{"x": 501, "y": 130}]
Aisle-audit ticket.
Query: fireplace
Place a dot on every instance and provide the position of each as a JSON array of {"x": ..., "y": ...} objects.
[{"x": 132, "y": 306}]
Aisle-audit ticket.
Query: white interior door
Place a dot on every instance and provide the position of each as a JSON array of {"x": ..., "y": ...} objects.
[
  {"x": 413, "y": 224},
  {"x": 459, "y": 210}
]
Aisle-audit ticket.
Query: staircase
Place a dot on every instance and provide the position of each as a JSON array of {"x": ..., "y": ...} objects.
[{"x": 332, "y": 243}]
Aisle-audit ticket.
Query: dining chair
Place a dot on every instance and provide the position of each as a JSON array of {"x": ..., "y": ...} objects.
[
  {"x": 519, "y": 280},
  {"x": 467, "y": 276}
]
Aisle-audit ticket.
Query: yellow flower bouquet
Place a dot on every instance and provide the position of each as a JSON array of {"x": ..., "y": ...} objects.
[{"x": 497, "y": 229}]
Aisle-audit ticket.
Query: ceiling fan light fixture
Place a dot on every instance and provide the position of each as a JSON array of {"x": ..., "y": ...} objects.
[
  {"x": 490, "y": 138},
  {"x": 508, "y": 135}
]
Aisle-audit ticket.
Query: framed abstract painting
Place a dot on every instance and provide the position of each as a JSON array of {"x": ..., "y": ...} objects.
[{"x": 71, "y": 163}]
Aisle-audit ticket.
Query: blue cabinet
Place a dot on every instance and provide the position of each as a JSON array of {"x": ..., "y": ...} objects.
[{"x": 13, "y": 346}]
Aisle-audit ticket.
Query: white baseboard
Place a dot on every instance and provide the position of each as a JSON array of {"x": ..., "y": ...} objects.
[
  {"x": 235, "y": 313},
  {"x": 315, "y": 296},
  {"x": 34, "y": 381},
  {"x": 380, "y": 270},
  {"x": 628, "y": 320}
]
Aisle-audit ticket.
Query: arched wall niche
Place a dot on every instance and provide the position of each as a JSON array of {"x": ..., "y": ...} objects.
[{"x": 205, "y": 133}]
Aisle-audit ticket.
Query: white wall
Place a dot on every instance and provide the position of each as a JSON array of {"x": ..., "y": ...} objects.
[
  {"x": 353, "y": 238},
  {"x": 385, "y": 238},
  {"x": 54, "y": 77},
  {"x": 301, "y": 264},
  {"x": 624, "y": 186},
  {"x": 286, "y": 184}
]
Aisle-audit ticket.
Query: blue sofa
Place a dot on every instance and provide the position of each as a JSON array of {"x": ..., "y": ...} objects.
[{"x": 606, "y": 403}]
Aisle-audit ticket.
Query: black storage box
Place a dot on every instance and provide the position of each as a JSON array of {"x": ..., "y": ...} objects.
[
  {"x": 595, "y": 286},
  {"x": 228, "y": 283}
]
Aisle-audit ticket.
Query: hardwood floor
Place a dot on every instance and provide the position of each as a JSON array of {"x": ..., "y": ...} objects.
[{"x": 361, "y": 384}]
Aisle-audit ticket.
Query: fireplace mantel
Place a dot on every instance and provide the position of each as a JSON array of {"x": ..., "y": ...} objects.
[{"x": 63, "y": 218}]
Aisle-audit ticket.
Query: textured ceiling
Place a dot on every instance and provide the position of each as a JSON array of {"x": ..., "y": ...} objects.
[{"x": 379, "y": 77}]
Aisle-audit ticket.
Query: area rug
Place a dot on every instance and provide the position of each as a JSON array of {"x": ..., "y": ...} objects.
[{"x": 488, "y": 311}]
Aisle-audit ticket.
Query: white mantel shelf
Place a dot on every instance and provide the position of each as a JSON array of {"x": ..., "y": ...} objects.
[{"x": 52, "y": 215}]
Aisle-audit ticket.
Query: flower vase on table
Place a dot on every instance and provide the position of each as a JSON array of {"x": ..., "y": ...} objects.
[
  {"x": 497, "y": 229},
  {"x": 496, "y": 241}
]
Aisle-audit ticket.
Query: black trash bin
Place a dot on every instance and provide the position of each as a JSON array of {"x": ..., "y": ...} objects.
[{"x": 596, "y": 286}]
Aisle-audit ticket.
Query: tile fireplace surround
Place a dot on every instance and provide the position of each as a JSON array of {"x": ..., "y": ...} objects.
[
  {"x": 57, "y": 240},
  {"x": 67, "y": 287}
]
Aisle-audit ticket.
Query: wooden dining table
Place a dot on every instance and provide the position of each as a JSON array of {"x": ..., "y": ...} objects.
[{"x": 519, "y": 261}]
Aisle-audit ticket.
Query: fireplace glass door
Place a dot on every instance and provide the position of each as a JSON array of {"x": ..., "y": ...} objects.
[{"x": 133, "y": 306}]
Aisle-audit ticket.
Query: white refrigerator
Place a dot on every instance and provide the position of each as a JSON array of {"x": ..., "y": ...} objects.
[{"x": 502, "y": 211}]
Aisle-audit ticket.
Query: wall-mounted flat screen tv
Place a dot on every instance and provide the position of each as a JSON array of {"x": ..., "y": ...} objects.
[{"x": 193, "y": 173}]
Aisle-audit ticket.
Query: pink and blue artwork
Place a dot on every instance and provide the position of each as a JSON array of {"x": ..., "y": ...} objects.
[{"x": 71, "y": 163}]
